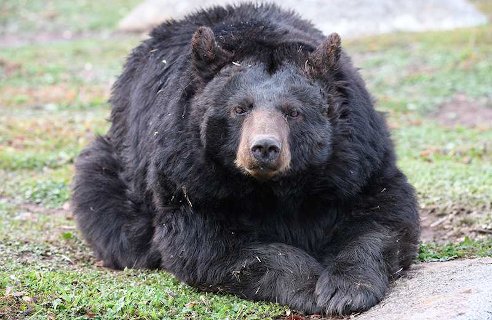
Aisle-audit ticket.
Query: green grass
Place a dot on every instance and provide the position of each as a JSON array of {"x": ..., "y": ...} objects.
[
  {"x": 29, "y": 16},
  {"x": 426, "y": 69},
  {"x": 47, "y": 139},
  {"x": 53, "y": 101},
  {"x": 49, "y": 187},
  {"x": 73, "y": 75},
  {"x": 464, "y": 249},
  {"x": 446, "y": 164},
  {"x": 83, "y": 61},
  {"x": 129, "y": 294}
]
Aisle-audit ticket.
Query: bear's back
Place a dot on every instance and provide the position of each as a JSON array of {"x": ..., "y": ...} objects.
[{"x": 234, "y": 25}]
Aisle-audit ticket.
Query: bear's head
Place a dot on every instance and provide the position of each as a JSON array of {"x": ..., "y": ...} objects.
[
  {"x": 269, "y": 109},
  {"x": 266, "y": 115}
]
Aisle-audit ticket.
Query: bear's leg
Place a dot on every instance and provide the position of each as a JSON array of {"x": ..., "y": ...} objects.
[
  {"x": 118, "y": 230},
  {"x": 280, "y": 273},
  {"x": 372, "y": 246},
  {"x": 200, "y": 252},
  {"x": 357, "y": 277}
]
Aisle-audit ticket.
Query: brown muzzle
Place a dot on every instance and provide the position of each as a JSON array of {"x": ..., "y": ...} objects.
[{"x": 264, "y": 147}]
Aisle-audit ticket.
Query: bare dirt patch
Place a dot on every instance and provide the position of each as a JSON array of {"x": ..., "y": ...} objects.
[
  {"x": 9, "y": 67},
  {"x": 13, "y": 307},
  {"x": 454, "y": 222},
  {"x": 33, "y": 208},
  {"x": 52, "y": 241},
  {"x": 49, "y": 97},
  {"x": 464, "y": 111}
]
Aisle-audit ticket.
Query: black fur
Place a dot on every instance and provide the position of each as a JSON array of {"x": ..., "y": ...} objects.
[{"x": 161, "y": 188}]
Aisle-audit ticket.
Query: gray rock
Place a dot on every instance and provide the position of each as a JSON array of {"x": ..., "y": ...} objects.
[
  {"x": 350, "y": 18},
  {"x": 453, "y": 290}
]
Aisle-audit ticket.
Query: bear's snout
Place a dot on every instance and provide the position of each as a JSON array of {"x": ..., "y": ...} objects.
[
  {"x": 266, "y": 150},
  {"x": 264, "y": 147}
]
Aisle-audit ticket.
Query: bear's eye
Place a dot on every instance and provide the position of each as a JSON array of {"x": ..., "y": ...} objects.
[
  {"x": 293, "y": 113},
  {"x": 240, "y": 110}
]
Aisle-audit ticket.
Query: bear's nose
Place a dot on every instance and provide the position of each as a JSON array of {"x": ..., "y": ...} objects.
[{"x": 266, "y": 149}]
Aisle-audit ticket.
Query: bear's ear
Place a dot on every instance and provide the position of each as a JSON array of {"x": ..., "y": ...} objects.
[
  {"x": 207, "y": 56},
  {"x": 327, "y": 54}
]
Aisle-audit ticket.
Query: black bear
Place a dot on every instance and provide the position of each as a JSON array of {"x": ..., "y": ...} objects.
[{"x": 245, "y": 156}]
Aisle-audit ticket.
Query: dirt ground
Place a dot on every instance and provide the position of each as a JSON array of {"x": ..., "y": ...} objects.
[
  {"x": 464, "y": 111},
  {"x": 454, "y": 223}
]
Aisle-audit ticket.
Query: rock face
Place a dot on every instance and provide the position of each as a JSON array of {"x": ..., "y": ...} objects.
[
  {"x": 350, "y": 18},
  {"x": 458, "y": 290}
]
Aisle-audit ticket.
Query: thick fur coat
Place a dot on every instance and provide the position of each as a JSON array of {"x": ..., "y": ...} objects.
[{"x": 245, "y": 156}]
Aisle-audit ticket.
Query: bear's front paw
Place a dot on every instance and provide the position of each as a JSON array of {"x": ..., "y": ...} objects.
[{"x": 346, "y": 293}]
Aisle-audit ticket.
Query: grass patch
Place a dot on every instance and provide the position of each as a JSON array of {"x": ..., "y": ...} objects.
[
  {"x": 31, "y": 245},
  {"x": 49, "y": 187},
  {"x": 446, "y": 165},
  {"x": 74, "y": 75},
  {"x": 130, "y": 294},
  {"x": 444, "y": 182},
  {"x": 417, "y": 72},
  {"x": 52, "y": 193},
  {"x": 26, "y": 16},
  {"x": 40, "y": 139},
  {"x": 467, "y": 248},
  {"x": 435, "y": 143},
  {"x": 84, "y": 61}
]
